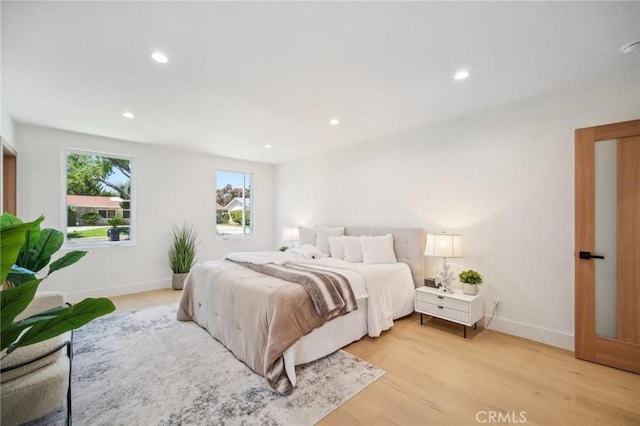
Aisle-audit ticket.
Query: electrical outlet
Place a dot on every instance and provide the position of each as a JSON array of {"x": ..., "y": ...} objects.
[{"x": 498, "y": 304}]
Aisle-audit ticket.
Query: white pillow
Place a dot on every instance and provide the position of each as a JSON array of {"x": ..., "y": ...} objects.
[
  {"x": 352, "y": 249},
  {"x": 336, "y": 245},
  {"x": 378, "y": 249},
  {"x": 323, "y": 234},
  {"x": 307, "y": 235},
  {"x": 308, "y": 251}
]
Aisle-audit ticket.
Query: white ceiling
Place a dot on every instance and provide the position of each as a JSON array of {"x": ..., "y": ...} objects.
[{"x": 242, "y": 75}]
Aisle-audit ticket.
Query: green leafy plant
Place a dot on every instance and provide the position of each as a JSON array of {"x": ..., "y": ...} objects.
[
  {"x": 72, "y": 216},
  {"x": 470, "y": 277},
  {"x": 26, "y": 249},
  {"x": 90, "y": 218},
  {"x": 236, "y": 215},
  {"x": 222, "y": 218},
  {"x": 182, "y": 253},
  {"x": 284, "y": 248},
  {"x": 116, "y": 221}
]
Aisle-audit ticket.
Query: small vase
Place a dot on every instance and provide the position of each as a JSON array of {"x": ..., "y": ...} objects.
[
  {"x": 178, "y": 281},
  {"x": 470, "y": 288}
]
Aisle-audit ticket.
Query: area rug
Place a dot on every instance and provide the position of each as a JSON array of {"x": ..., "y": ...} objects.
[{"x": 147, "y": 368}]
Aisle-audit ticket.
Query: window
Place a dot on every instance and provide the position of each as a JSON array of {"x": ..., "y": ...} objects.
[
  {"x": 108, "y": 214},
  {"x": 233, "y": 204},
  {"x": 98, "y": 198}
]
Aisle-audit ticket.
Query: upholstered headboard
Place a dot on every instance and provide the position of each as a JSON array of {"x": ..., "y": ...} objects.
[{"x": 408, "y": 243}]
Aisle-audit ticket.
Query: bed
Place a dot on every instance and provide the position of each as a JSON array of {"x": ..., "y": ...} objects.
[{"x": 270, "y": 323}]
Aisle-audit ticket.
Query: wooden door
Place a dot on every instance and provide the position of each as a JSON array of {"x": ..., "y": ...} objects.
[
  {"x": 9, "y": 199},
  {"x": 607, "y": 256}
]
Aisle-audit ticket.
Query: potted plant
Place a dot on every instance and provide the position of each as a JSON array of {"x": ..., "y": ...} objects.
[
  {"x": 27, "y": 249},
  {"x": 470, "y": 280},
  {"x": 114, "y": 232},
  {"x": 182, "y": 253}
]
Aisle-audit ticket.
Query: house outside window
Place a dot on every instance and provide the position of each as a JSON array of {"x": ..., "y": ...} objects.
[
  {"x": 233, "y": 204},
  {"x": 97, "y": 198}
]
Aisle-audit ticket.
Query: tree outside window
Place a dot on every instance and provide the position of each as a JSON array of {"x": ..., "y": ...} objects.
[{"x": 98, "y": 198}]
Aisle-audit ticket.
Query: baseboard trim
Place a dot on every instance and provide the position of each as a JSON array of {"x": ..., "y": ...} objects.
[
  {"x": 532, "y": 332},
  {"x": 77, "y": 296},
  {"x": 527, "y": 331}
]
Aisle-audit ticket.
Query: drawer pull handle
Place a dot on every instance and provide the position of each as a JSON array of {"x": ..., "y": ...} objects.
[
  {"x": 440, "y": 297},
  {"x": 440, "y": 307}
]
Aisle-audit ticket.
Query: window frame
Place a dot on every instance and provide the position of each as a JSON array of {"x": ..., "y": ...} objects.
[
  {"x": 251, "y": 232},
  {"x": 65, "y": 151}
]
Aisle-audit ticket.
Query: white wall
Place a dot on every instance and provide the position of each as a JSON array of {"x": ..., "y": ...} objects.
[
  {"x": 502, "y": 178},
  {"x": 171, "y": 187},
  {"x": 6, "y": 124},
  {"x": 7, "y": 132}
]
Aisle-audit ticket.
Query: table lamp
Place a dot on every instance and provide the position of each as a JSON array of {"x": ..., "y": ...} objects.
[
  {"x": 290, "y": 235},
  {"x": 444, "y": 246}
]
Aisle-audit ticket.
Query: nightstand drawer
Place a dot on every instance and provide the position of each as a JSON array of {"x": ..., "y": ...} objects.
[
  {"x": 442, "y": 300},
  {"x": 442, "y": 311},
  {"x": 456, "y": 307}
]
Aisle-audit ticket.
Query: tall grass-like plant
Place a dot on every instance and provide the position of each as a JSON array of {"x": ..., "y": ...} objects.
[{"x": 182, "y": 253}]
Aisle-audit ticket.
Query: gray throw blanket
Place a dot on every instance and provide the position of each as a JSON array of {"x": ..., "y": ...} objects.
[{"x": 330, "y": 292}]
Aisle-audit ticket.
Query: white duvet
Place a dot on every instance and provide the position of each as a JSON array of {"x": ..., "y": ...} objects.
[
  {"x": 384, "y": 292},
  {"x": 388, "y": 288}
]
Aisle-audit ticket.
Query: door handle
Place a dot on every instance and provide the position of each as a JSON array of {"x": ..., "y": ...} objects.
[{"x": 587, "y": 255}]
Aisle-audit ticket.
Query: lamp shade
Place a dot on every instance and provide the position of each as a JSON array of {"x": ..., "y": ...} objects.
[
  {"x": 290, "y": 234},
  {"x": 443, "y": 245}
]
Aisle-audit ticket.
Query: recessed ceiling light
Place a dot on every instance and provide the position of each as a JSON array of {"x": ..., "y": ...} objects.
[
  {"x": 461, "y": 75},
  {"x": 128, "y": 114},
  {"x": 334, "y": 122},
  {"x": 631, "y": 48},
  {"x": 160, "y": 57},
  {"x": 267, "y": 146}
]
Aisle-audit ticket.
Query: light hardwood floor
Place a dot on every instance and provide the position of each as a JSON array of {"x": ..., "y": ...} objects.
[{"x": 435, "y": 377}]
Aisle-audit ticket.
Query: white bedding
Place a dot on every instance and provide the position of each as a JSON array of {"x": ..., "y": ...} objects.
[
  {"x": 389, "y": 295},
  {"x": 389, "y": 288},
  {"x": 384, "y": 292}
]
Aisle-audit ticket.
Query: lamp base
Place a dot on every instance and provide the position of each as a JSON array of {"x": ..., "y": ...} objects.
[{"x": 445, "y": 279}]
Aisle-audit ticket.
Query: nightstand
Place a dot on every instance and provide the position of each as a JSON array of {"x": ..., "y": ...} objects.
[{"x": 456, "y": 307}]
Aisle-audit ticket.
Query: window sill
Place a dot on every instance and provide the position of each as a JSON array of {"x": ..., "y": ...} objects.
[
  {"x": 97, "y": 245},
  {"x": 233, "y": 237}
]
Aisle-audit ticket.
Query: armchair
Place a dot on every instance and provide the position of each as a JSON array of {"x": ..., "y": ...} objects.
[{"x": 36, "y": 379}]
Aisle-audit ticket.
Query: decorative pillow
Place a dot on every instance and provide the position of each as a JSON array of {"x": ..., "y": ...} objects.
[
  {"x": 378, "y": 249},
  {"x": 307, "y": 235},
  {"x": 336, "y": 245},
  {"x": 323, "y": 234},
  {"x": 352, "y": 249},
  {"x": 308, "y": 251}
]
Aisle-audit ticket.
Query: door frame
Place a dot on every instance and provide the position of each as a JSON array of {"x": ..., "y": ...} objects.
[
  {"x": 589, "y": 346},
  {"x": 9, "y": 179}
]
